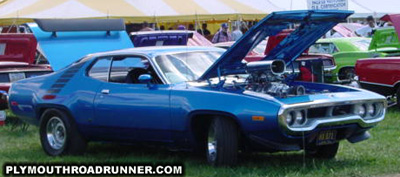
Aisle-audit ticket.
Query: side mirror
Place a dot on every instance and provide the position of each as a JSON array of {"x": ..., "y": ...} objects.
[{"x": 145, "y": 78}]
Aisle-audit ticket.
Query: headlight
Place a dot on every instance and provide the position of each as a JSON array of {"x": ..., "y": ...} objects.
[
  {"x": 289, "y": 118},
  {"x": 360, "y": 110},
  {"x": 371, "y": 110},
  {"x": 300, "y": 118}
]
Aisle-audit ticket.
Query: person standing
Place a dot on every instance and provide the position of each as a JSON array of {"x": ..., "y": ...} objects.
[
  {"x": 204, "y": 31},
  {"x": 222, "y": 35},
  {"x": 181, "y": 27},
  {"x": 236, "y": 33},
  {"x": 145, "y": 27},
  {"x": 366, "y": 31},
  {"x": 162, "y": 27},
  {"x": 191, "y": 27}
]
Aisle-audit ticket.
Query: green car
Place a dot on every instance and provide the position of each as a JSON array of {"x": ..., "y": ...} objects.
[
  {"x": 386, "y": 40},
  {"x": 346, "y": 51}
]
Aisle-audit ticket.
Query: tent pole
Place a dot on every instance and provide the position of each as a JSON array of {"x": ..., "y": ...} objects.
[
  {"x": 15, "y": 23},
  {"x": 197, "y": 22},
  {"x": 291, "y": 4},
  {"x": 156, "y": 20}
]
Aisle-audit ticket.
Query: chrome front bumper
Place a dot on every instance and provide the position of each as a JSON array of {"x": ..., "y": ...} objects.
[{"x": 326, "y": 121}]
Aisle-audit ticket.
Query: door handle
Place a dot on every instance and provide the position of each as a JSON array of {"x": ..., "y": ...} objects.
[{"x": 105, "y": 91}]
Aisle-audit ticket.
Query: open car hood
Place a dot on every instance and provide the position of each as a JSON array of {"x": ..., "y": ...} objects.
[
  {"x": 65, "y": 41},
  {"x": 17, "y": 47},
  {"x": 313, "y": 25},
  {"x": 395, "y": 19},
  {"x": 347, "y": 29}
]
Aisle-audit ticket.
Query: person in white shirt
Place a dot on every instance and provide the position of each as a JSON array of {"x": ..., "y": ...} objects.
[
  {"x": 366, "y": 31},
  {"x": 236, "y": 33},
  {"x": 333, "y": 34}
]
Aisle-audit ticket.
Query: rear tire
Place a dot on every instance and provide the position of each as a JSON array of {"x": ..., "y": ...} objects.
[
  {"x": 222, "y": 142},
  {"x": 59, "y": 134},
  {"x": 323, "y": 152}
]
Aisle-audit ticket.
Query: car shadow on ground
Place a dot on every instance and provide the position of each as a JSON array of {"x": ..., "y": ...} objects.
[{"x": 288, "y": 160}]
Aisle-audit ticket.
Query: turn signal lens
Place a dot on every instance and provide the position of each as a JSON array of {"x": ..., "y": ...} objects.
[{"x": 379, "y": 107}]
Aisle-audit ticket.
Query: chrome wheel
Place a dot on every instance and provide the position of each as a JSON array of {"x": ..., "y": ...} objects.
[
  {"x": 56, "y": 133},
  {"x": 211, "y": 145}
]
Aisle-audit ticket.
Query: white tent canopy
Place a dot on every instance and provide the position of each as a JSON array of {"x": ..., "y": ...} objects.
[{"x": 171, "y": 10}]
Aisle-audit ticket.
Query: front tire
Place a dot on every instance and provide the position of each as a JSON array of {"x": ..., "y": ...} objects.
[
  {"x": 222, "y": 142},
  {"x": 347, "y": 74},
  {"x": 398, "y": 97},
  {"x": 59, "y": 134},
  {"x": 324, "y": 151}
]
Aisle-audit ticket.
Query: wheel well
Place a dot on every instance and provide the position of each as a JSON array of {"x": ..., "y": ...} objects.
[
  {"x": 42, "y": 109},
  {"x": 341, "y": 70},
  {"x": 199, "y": 123},
  {"x": 395, "y": 87},
  {"x": 345, "y": 67}
]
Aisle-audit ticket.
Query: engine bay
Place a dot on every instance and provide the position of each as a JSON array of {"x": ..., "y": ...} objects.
[{"x": 269, "y": 77}]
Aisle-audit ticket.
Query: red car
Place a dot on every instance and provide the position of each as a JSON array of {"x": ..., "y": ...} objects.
[
  {"x": 17, "y": 59},
  {"x": 381, "y": 75}
]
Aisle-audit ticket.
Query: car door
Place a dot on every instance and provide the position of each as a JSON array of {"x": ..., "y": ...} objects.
[{"x": 136, "y": 111}]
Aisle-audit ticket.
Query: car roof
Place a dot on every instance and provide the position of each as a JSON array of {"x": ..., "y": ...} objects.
[
  {"x": 154, "y": 51},
  {"x": 161, "y": 32}
]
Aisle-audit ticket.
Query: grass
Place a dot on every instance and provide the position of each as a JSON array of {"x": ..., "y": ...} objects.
[{"x": 377, "y": 156}]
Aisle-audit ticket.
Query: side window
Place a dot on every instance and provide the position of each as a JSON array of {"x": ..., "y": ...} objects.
[
  {"x": 100, "y": 69},
  {"x": 324, "y": 48},
  {"x": 122, "y": 69},
  {"x": 128, "y": 69},
  {"x": 334, "y": 49}
]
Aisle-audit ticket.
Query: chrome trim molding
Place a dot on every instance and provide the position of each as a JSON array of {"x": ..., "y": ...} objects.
[
  {"x": 384, "y": 85},
  {"x": 329, "y": 121}
]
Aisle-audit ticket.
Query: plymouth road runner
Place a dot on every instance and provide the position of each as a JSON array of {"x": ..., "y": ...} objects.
[{"x": 201, "y": 98}]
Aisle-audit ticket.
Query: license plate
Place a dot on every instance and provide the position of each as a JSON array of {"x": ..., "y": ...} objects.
[
  {"x": 16, "y": 76},
  {"x": 326, "y": 137}
]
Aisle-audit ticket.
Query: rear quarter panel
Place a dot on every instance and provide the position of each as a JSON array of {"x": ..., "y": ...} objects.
[{"x": 73, "y": 91}]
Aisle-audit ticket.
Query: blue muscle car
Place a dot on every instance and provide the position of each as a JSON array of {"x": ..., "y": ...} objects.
[{"x": 201, "y": 98}]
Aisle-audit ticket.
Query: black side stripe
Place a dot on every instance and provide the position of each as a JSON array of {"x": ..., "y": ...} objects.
[{"x": 64, "y": 79}]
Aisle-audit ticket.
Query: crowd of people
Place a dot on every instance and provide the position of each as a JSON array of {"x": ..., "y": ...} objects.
[{"x": 224, "y": 34}]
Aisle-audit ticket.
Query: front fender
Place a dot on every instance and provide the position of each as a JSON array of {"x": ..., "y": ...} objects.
[{"x": 251, "y": 113}]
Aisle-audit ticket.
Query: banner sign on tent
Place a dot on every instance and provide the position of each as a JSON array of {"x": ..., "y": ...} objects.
[{"x": 327, "y": 4}]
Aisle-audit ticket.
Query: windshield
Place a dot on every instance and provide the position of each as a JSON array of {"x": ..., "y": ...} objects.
[
  {"x": 323, "y": 48},
  {"x": 362, "y": 44},
  {"x": 260, "y": 48},
  {"x": 330, "y": 48},
  {"x": 181, "y": 67}
]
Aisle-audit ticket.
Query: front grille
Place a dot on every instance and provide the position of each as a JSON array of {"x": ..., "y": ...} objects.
[
  {"x": 317, "y": 112},
  {"x": 340, "y": 110}
]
